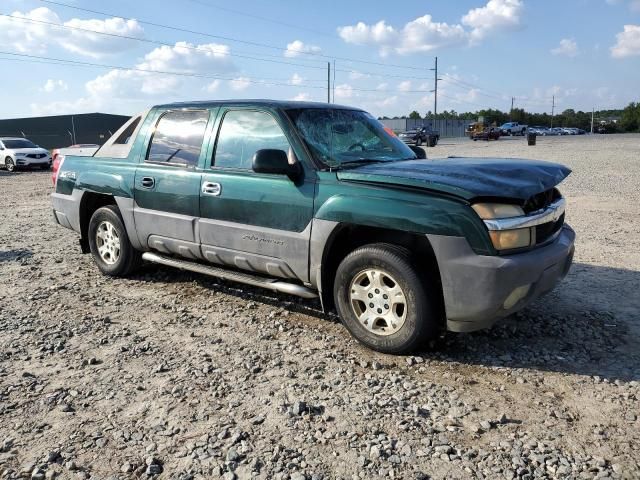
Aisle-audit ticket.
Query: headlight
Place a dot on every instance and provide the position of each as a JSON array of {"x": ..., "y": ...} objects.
[
  {"x": 505, "y": 239},
  {"x": 21, "y": 154},
  {"x": 510, "y": 239},
  {"x": 491, "y": 211}
]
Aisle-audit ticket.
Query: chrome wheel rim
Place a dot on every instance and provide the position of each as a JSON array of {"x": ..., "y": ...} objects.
[
  {"x": 9, "y": 165},
  {"x": 108, "y": 243},
  {"x": 378, "y": 301}
]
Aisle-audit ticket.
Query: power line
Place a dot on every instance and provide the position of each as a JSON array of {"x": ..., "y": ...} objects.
[
  {"x": 265, "y": 19},
  {"x": 156, "y": 42},
  {"x": 230, "y": 39},
  {"x": 61, "y": 61}
]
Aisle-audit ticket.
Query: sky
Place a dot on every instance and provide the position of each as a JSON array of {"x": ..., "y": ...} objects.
[{"x": 122, "y": 56}]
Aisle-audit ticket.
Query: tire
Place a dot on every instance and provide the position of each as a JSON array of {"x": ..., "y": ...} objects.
[
  {"x": 9, "y": 164},
  {"x": 418, "y": 142},
  {"x": 408, "y": 324},
  {"x": 110, "y": 247}
]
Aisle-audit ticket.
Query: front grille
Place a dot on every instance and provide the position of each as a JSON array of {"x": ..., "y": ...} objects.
[
  {"x": 541, "y": 200},
  {"x": 547, "y": 230},
  {"x": 36, "y": 155}
]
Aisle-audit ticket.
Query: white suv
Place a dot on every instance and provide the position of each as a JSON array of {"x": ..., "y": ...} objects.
[{"x": 20, "y": 152}]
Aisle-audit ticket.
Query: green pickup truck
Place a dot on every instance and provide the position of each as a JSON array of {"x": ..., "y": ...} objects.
[{"x": 319, "y": 200}]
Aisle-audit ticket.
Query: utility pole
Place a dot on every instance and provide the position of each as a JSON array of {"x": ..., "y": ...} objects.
[
  {"x": 511, "y": 111},
  {"x": 333, "y": 90},
  {"x": 435, "y": 91},
  {"x": 593, "y": 111},
  {"x": 553, "y": 106},
  {"x": 328, "y": 82}
]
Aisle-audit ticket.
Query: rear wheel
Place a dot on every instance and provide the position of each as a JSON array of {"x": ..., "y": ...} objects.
[
  {"x": 384, "y": 302},
  {"x": 110, "y": 247},
  {"x": 9, "y": 164}
]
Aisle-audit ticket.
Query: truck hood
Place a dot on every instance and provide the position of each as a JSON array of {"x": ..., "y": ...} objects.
[{"x": 468, "y": 178}]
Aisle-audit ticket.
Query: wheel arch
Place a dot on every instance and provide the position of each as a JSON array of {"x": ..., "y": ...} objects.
[
  {"x": 345, "y": 238},
  {"x": 92, "y": 201}
]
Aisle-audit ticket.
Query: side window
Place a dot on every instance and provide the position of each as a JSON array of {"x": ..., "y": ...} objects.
[
  {"x": 125, "y": 136},
  {"x": 178, "y": 137},
  {"x": 243, "y": 132}
]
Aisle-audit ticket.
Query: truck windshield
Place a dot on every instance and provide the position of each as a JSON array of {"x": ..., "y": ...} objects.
[{"x": 340, "y": 137}]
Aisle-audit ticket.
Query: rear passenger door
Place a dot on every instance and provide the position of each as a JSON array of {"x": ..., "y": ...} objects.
[
  {"x": 167, "y": 182},
  {"x": 255, "y": 221}
]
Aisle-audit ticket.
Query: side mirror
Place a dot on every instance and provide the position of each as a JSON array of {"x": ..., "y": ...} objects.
[
  {"x": 420, "y": 153},
  {"x": 269, "y": 160}
]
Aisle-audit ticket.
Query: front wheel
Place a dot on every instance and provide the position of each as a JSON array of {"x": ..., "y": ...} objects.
[
  {"x": 110, "y": 247},
  {"x": 9, "y": 164},
  {"x": 384, "y": 302}
]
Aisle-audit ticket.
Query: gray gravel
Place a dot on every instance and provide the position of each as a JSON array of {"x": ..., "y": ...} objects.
[{"x": 174, "y": 375}]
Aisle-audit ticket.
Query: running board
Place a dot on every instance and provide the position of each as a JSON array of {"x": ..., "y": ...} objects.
[{"x": 254, "y": 280}]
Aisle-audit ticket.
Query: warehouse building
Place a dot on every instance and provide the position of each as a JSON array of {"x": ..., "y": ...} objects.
[{"x": 63, "y": 130}]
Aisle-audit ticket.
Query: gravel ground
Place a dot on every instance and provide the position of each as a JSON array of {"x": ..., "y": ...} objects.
[{"x": 181, "y": 376}]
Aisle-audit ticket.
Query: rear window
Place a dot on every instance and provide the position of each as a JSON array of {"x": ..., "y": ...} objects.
[{"x": 178, "y": 137}]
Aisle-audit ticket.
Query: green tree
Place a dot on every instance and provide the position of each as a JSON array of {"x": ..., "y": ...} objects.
[
  {"x": 630, "y": 119},
  {"x": 414, "y": 115}
]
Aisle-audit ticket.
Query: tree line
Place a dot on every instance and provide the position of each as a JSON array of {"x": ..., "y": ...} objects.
[{"x": 620, "y": 120}]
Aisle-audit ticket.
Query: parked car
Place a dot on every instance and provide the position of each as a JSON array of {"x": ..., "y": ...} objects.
[
  {"x": 487, "y": 133},
  {"x": 540, "y": 130},
  {"x": 22, "y": 153},
  {"x": 558, "y": 131},
  {"x": 419, "y": 136},
  {"x": 513, "y": 128},
  {"x": 319, "y": 200}
]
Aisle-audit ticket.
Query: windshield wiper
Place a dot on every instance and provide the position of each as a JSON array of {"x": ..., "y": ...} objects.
[{"x": 364, "y": 161}]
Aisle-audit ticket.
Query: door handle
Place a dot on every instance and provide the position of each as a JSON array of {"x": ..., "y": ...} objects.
[
  {"x": 148, "y": 182},
  {"x": 211, "y": 188}
]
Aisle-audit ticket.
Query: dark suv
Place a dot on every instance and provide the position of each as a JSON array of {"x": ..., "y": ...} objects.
[{"x": 419, "y": 136}]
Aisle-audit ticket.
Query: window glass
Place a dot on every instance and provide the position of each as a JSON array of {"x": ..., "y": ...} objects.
[
  {"x": 19, "y": 143},
  {"x": 339, "y": 136},
  {"x": 178, "y": 137},
  {"x": 126, "y": 135},
  {"x": 244, "y": 132}
]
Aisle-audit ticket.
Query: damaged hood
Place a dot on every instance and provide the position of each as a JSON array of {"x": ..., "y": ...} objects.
[{"x": 468, "y": 178}]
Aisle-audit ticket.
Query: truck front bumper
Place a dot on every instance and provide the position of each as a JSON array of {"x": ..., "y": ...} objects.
[{"x": 478, "y": 290}]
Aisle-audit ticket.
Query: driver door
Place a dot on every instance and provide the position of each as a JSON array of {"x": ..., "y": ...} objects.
[{"x": 254, "y": 221}]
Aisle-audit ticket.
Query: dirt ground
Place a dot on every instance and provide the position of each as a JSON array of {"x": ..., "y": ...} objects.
[{"x": 175, "y": 375}]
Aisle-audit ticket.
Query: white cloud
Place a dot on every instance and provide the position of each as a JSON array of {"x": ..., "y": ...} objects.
[
  {"x": 382, "y": 86},
  {"x": 183, "y": 57},
  {"x": 25, "y": 36},
  {"x": 302, "y": 97},
  {"x": 344, "y": 90},
  {"x": 404, "y": 86},
  {"x": 296, "y": 79},
  {"x": 496, "y": 15},
  {"x": 628, "y": 42},
  {"x": 298, "y": 47},
  {"x": 355, "y": 75},
  {"x": 423, "y": 34},
  {"x": 213, "y": 86},
  {"x": 239, "y": 84},
  {"x": 51, "y": 86},
  {"x": 34, "y": 36},
  {"x": 95, "y": 45},
  {"x": 567, "y": 47}
]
